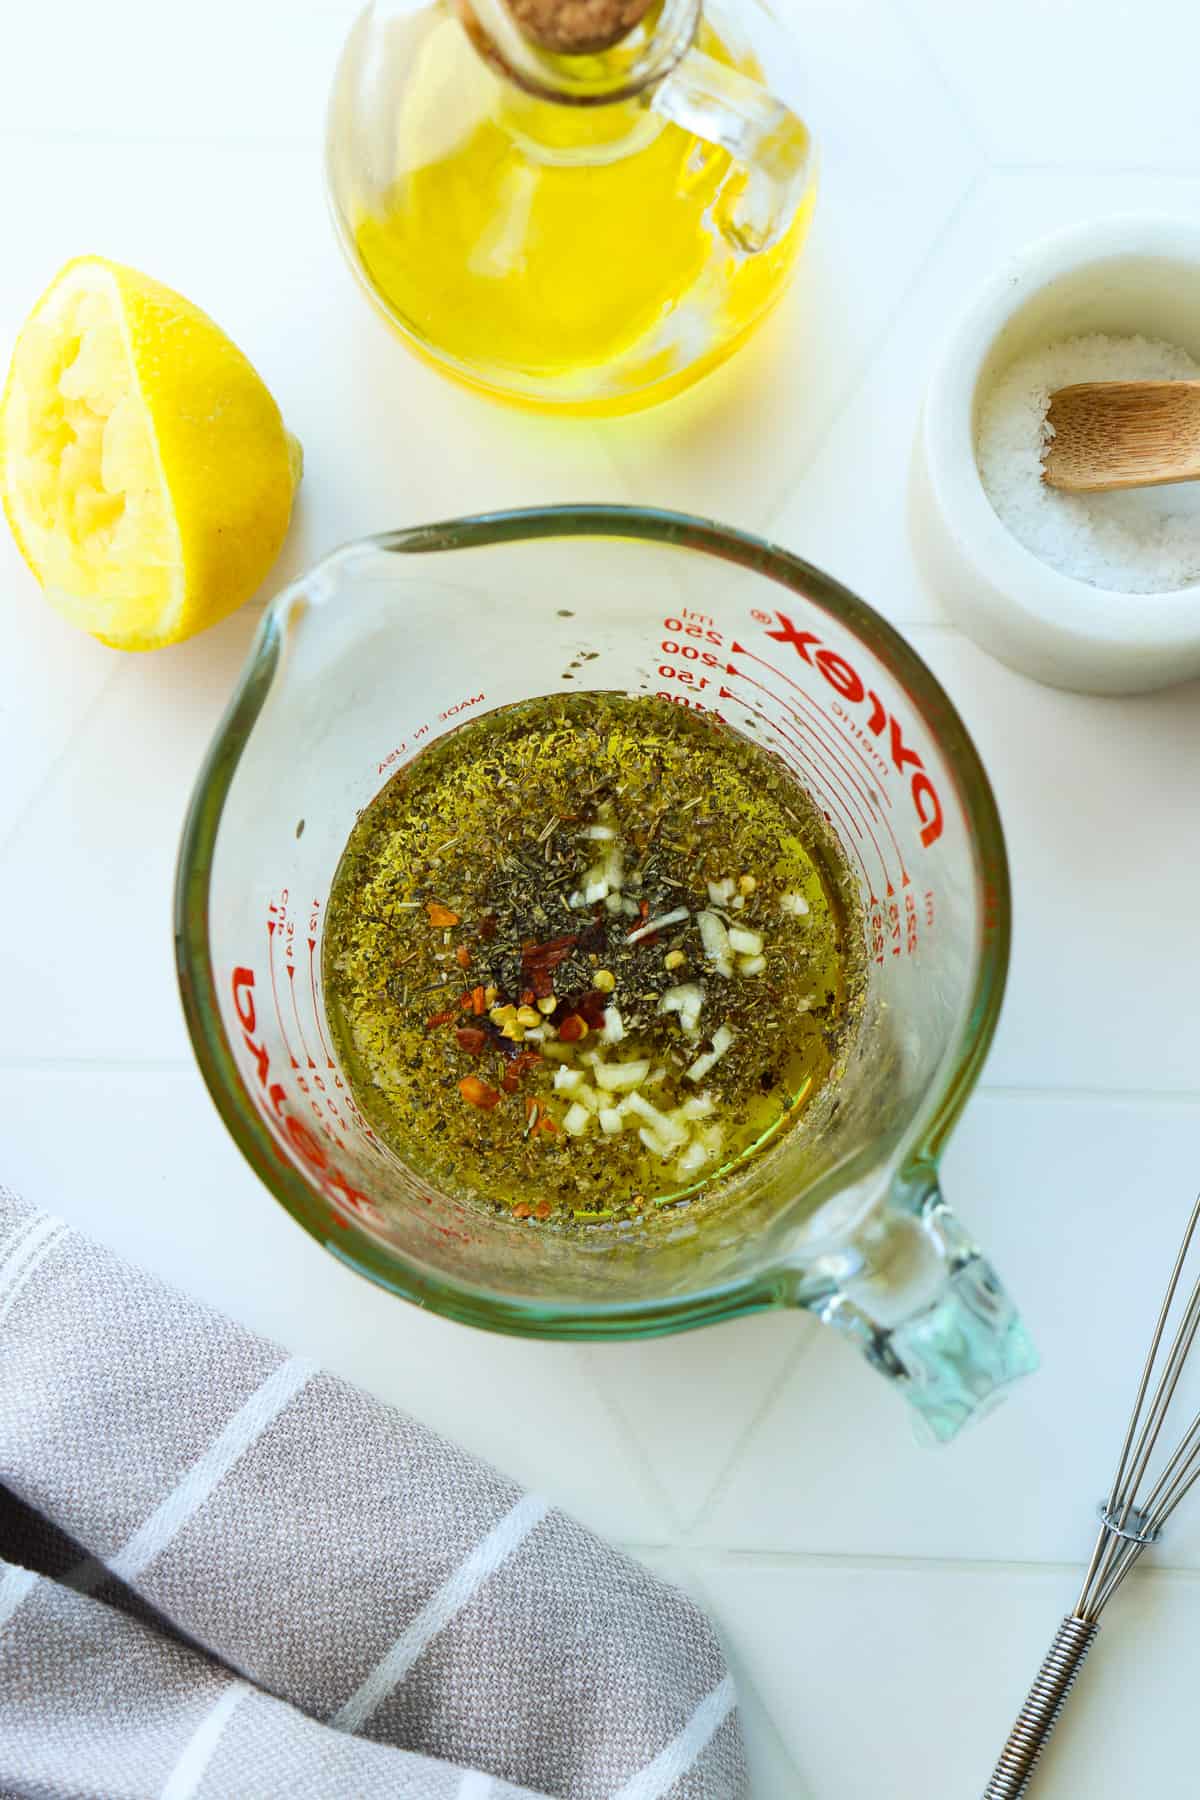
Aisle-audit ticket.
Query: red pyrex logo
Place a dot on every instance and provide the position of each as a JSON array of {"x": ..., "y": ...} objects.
[
  {"x": 307, "y": 1146},
  {"x": 845, "y": 681}
]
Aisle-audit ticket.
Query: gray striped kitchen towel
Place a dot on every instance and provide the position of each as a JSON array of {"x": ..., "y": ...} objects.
[{"x": 224, "y": 1573}]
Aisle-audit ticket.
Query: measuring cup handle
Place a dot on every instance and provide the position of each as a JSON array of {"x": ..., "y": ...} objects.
[
  {"x": 771, "y": 146},
  {"x": 926, "y": 1309}
]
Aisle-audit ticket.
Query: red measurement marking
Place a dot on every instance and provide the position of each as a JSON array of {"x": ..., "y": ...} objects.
[
  {"x": 312, "y": 987},
  {"x": 671, "y": 646},
  {"x": 275, "y": 990},
  {"x": 834, "y": 742},
  {"x": 308, "y": 1055},
  {"x": 844, "y": 679},
  {"x": 696, "y": 629},
  {"x": 847, "y": 802},
  {"x": 668, "y": 672},
  {"x": 846, "y": 807},
  {"x": 292, "y": 1139},
  {"x": 695, "y": 705},
  {"x": 821, "y": 781},
  {"x": 877, "y": 938},
  {"x": 459, "y": 706},
  {"x": 839, "y": 741}
]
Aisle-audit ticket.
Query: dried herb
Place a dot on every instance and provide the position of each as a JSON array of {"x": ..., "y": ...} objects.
[{"x": 475, "y": 856}]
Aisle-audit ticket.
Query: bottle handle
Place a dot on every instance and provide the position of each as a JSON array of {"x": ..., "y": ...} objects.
[
  {"x": 767, "y": 141},
  {"x": 924, "y": 1306}
]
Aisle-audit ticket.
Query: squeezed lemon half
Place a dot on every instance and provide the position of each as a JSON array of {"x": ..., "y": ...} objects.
[{"x": 144, "y": 467}]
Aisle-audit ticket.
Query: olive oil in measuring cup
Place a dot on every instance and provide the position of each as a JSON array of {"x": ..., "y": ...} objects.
[
  {"x": 587, "y": 955},
  {"x": 594, "y": 256}
]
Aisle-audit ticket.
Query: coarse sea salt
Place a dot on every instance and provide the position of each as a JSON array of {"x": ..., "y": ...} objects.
[{"x": 1138, "y": 541}]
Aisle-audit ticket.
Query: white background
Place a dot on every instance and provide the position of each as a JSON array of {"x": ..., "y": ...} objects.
[{"x": 883, "y": 1606}]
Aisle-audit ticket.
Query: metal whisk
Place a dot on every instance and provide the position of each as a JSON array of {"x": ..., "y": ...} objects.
[{"x": 1127, "y": 1525}]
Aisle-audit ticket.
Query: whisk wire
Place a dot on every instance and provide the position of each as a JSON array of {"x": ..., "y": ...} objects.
[
  {"x": 1165, "y": 1393},
  {"x": 1186, "y": 1479},
  {"x": 1115, "y": 1554},
  {"x": 1161, "y": 1494},
  {"x": 1126, "y": 1527}
]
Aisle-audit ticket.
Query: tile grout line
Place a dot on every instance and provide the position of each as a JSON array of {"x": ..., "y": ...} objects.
[
  {"x": 919, "y": 38},
  {"x": 588, "y": 1356},
  {"x": 1156, "y": 1096},
  {"x": 876, "y": 346},
  {"x": 99, "y": 1065},
  {"x": 59, "y": 762},
  {"x": 1189, "y": 172},
  {"x": 744, "y": 1681},
  {"x": 854, "y": 1562},
  {"x": 725, "y": 1474},
  {"x": 161, "y": 140}
]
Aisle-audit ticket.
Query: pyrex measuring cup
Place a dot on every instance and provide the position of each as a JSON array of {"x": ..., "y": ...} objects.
[{"x": 394, "y": 641}]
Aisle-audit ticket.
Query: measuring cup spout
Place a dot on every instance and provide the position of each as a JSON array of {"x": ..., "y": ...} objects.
[{"x": 923, "y": 1304}]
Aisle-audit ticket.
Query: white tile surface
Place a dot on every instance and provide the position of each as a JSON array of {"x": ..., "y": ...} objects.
[
  {"x": 1080, "y": 1203},
  {"x": 884, "y": 1607},
  {"x": 1098, "y": 804},
  {"x": 1070, "y": 82},
  {"x": 244, "y": 73},
  {"x": 900, "y": 1683},
  {"x": 690, "y": 1402}
]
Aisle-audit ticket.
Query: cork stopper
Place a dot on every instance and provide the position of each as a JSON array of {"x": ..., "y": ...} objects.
[{"x": 577, "y": 27}]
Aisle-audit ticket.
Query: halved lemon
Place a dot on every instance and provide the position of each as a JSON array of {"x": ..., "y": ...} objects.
[{"x": 144, "y": 467}]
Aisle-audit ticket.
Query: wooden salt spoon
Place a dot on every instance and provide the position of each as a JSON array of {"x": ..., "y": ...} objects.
[{"x": 1123, "y": 434}]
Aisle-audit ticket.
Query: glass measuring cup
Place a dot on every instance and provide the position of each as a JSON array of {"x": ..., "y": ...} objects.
[
  {"x": 586, "y": 231},
  {"x": 394, "y": 641}
]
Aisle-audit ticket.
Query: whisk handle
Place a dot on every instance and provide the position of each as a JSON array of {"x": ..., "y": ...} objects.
[{"x": 1040, "y": 1713}]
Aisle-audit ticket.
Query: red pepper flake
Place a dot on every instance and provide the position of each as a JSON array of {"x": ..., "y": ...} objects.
[
  {"x": 548, "y": 1126},
  {"x": 462, "y": 957},
  {"x": 511, "y": 1079},
  {"x": 533, "y": 1112},
  {"x": 478, "y": 1003},
  {"x": 522, "y": 1210},
  {"x": 441, "y": 915},
  {"x": 464, "y": 1001},
  {"x": 478, "y": 1093},
  {"x": 543, "y": 983},
  {"x": 488, "y": 928},
  {"x": 539, "y": 961},
  {"x": 543, "y": 1209},
  {"x": 593, "y": 1007},
  {"x": 471, "y": 1039},
  {"x": 442, "y": 1018},
  {"x": 556, "y": 949},
  {"x": 527, "y": 996},
  {"x": 572, "y": 1029},
  {"x": 643, "y": 915}
]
